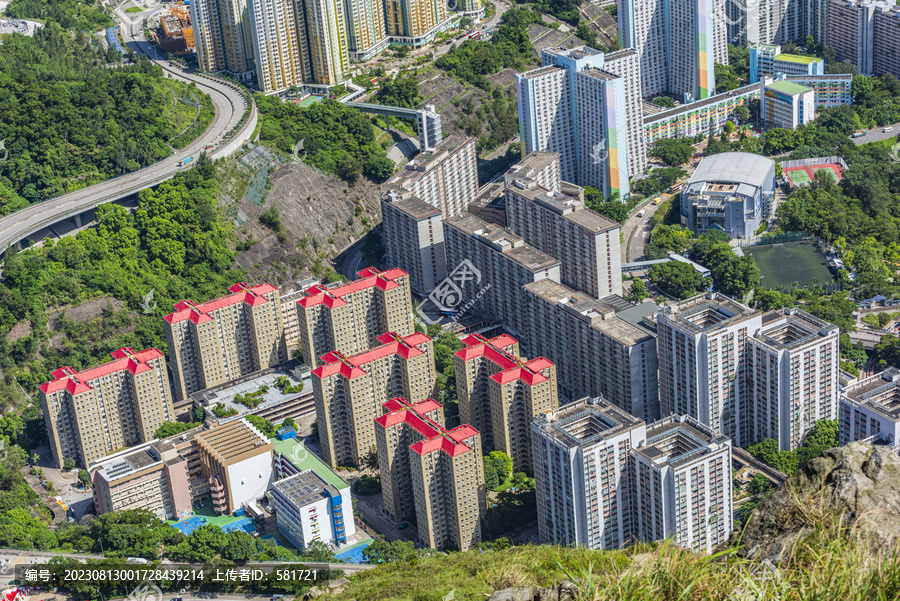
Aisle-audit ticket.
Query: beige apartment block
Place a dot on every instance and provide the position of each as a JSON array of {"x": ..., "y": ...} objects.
[
  {"x": 94, "y": 412},
  {"x": 445, "y": 178},
  {"x": 151, "y": 476},
  {"x": 223, "y": 339},
  {"x": 350, "y": 390},
  {"x": 431, "y": 474},
  {"x": 349, "y": 318},
  {"x": 500, "y": 393},
  {"x": 557, "y": 222}
]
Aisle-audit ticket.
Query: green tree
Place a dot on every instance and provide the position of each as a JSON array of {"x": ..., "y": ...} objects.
[
  {"x": 289, "y": 423},
  {"x": 759, "y": 484},
  {"x": 240, "y": 547},
  {"x": 503, "y": 463},
  {"x": 69, "y": 464},
  {"x": 397, "y": 551},
  {"x": 168, "y": 429},
  {"x": 317, "y": 551},
  {"x": 491, "y": 480},
  {"x": 199, "y": 414},
  {"x": 679, "y": 279},
  {"x": 768, "y": 452},
  {"x": 85, "y": 478},
  {"x": 638, "y": 290},
  {"x": 672, "y": 151}
]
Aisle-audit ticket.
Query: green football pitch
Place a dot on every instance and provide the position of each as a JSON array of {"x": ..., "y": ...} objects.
[{"x": 783, "y": 265}]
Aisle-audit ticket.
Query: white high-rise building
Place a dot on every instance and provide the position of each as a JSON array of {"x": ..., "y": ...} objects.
[
  {"x": 683, "y": 485},
  {"x": 704, "y": 361},
  {"x": 677, "y": 42},
  {"x": 795, "y": 377},
  {"x": 604, "y": 479},
  {"x": 870, "y": 409},
  {"x": 586, "y": 106},
  {"x": 584, "y": 474}
]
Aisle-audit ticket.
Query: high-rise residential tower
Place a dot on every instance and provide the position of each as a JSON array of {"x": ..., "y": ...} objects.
[
  {"x": 349, "y": 391},
  {"x": 280, "y": 63},
  {"x": 705, "y": 365},
  {"x": 97, "y": 411},
  {"x": 598, "y": 347},
  {"x": 586, "y": 106},
  {"x": 500, "y": 393},
  {"x": 225, "y": 338},
  {"x": 559, "y": 223},
  {"x": 222, "y": 36},
  {"x": 795, "y": 377},
  {"x": 366, "y": 31},
  {"x": 683, "y": 485},
  {"x": 431, "y": 474},
  {"x": 677, "y": 42},
  {"x": 584, "y": 474},
  {"x": 350, "y": 317}
]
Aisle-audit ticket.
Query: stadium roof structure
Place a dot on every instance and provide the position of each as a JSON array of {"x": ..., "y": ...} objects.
[{"x": 734, "y": 167}]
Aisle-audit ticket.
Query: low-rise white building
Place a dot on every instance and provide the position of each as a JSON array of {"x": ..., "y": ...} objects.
[
  {"x": 307, "y": 508},
  {"x": 870, "y": 409}
]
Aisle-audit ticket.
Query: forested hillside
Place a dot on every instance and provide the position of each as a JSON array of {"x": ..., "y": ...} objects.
[{"x": 68, "y": 121}]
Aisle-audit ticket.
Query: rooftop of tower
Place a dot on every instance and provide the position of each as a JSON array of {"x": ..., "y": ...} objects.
[
  {"x": 880, "y": 392},
  {"x": 586, "y": 422},
  {"x": 678, "y": 440},
  {"x": 707, "y": 312},
  {"x": 502, "y": 241}
]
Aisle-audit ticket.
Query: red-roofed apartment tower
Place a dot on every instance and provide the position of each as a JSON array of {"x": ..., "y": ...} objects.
[
  {"x": 94, "y": 412},
  {"x": 350, "y": 390},
  {"x": 350, "y": 317},
  {"x": 500, "y": 394},
  {"x": 223, "y": 339},
  {"x": 430, "y": 473}
]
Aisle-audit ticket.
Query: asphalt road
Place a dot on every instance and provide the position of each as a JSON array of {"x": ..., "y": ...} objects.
[
  {"x": 637, "y": 233},
  {"x": 230, "y": 106},
  {"x": 876, "y": 134}
]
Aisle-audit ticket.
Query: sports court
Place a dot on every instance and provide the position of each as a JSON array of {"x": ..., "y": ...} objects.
[
  {"x": 804, "y": 175},
  {"x": 354, "y": 553},
  {"x": 189, "y": 525},
  {"x": 789, "y": 263},
  {"x": 245, "y": 524}
]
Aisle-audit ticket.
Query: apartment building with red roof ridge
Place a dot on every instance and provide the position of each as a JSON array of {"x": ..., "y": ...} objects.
[
  {"x": 500, "y": 393},
  {"x": 96, "y": 411},
  {"x": 349, "y": 391},
  {"x": 220, "y": 340},
  {"x": 349, "y": 317},
  {"x": 431, "y": 474}
]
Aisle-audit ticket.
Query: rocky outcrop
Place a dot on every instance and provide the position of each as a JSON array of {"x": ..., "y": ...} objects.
[
  {"x": 564, "y": 591},
  {"x": 856, "y": 486}
]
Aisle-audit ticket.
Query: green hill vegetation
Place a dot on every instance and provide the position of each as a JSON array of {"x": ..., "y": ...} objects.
[
  {"x": 69, "y": 122},
  {"x": 823, "y": 567},
  {"x": 336, "y": 139}
]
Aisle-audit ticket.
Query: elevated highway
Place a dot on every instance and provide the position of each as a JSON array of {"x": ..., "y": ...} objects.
[{"x": 230, "y": 105}]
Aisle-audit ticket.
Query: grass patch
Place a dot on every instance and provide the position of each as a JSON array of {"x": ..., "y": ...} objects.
[
  {"x": 199, "y": 125},
  {"x": 135, "y": 9},
  {"x": 826, "y": 564},
  {"x": 783, "y": 265}
]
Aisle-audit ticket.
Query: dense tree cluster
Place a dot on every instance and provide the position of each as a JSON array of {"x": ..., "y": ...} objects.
[
  {"x": 67, "y": 122},
  {"x": 510, "y": 47},
  {"x": 86, "y": 15},
  {"x": 337, "y": 139},
  {"x": 677, "y": 279},
  {"x": 173, "y": 244},
  {"x": 672, "y": 151},
  {"x": 733, "y": 275}
]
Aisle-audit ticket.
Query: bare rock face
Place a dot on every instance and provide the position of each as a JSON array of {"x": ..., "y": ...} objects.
[{"x": 858, "y": 484}]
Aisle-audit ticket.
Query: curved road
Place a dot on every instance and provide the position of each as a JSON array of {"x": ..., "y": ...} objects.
[{"x": 230, "y": 107}]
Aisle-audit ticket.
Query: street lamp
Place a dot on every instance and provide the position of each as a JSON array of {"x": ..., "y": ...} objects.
[
  {"x": 100, "y": 540},
  {"x": 32, "y": 542}
]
